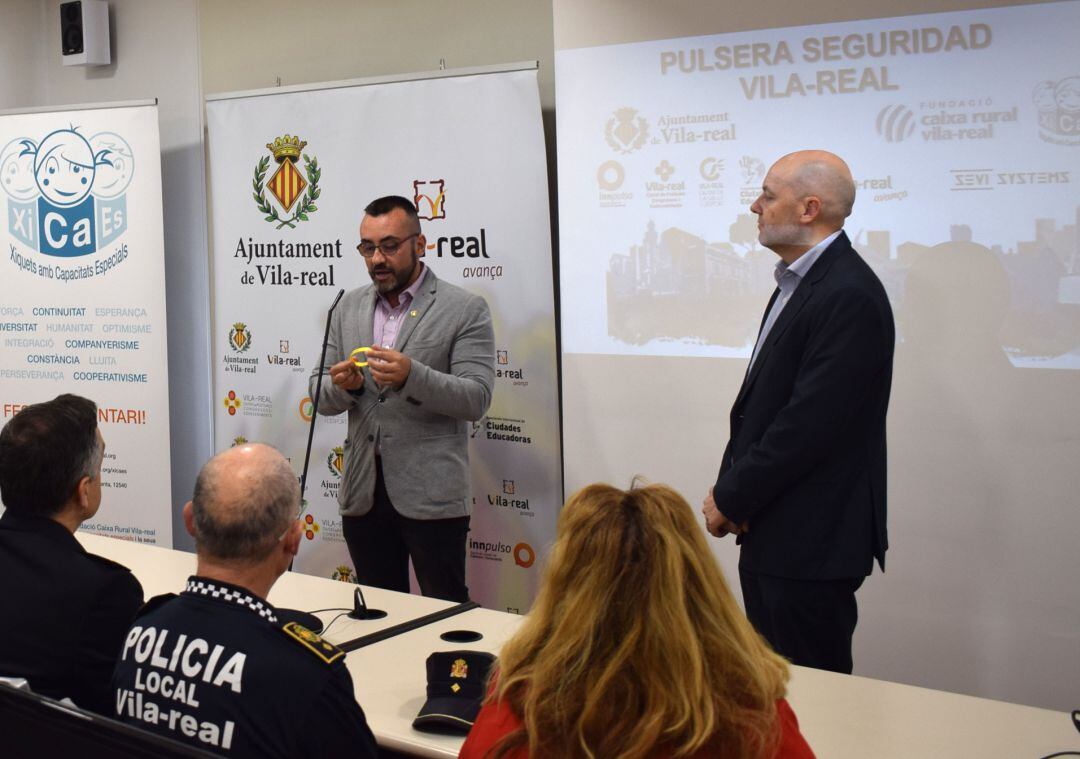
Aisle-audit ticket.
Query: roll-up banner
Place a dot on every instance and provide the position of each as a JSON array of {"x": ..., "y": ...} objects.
[
  {"x": 291, "y": 171},
  {"x": 82, "y": 295}
]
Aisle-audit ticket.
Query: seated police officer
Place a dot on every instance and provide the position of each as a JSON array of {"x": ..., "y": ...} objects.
[
  {"x": 64, "y": 611},
  {"x": 215, "y": 666}
]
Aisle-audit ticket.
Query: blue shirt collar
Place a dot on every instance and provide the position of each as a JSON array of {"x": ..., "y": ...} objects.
[{"x": 803, "y": 263}]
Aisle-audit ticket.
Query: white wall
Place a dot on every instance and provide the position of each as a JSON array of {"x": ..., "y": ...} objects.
[
  {"x": 155, "y": 53},
  {"x": 248, "y": 44},
  {"x": 18, "y": 51}
]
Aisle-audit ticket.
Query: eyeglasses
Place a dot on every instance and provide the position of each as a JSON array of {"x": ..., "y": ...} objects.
[
  {"x": 299, "y": 513},
  {"x": 387, "y": 247}
]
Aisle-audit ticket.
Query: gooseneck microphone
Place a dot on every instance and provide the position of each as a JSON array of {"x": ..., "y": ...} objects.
[
  {"x": 360, "y": 609},
  {"x": 310, "y": 621},
  {"x": 318, "y": 392}
]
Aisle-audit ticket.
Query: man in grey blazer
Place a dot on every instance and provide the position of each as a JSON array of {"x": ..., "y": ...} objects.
[{"x": 429, "y": 371}]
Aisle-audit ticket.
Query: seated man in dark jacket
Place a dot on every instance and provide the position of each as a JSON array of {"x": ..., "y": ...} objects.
[{"x": 65, "y": 611}]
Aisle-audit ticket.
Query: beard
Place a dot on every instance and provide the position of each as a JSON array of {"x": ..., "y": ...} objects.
[
  {"x": 783, "y": 235},
  {"x": 396, "y": 282}
]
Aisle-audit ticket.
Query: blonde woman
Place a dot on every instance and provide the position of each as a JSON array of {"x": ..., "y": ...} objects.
[{"x": 635, "y": 648}]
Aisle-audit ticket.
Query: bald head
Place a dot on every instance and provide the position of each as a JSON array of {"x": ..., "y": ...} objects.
[
  {"x": 245, "y": 498},
  {"x": 821, "y": 174}
]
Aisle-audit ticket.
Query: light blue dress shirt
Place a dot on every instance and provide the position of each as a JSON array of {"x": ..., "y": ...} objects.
[{"x": 787, "y": 279}]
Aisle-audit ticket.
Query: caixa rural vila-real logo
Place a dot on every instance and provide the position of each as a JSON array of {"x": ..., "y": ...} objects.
[{"x": 66, "y": 195}]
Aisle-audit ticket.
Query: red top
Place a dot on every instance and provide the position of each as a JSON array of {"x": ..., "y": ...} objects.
[{"x": 497, "y": 720}]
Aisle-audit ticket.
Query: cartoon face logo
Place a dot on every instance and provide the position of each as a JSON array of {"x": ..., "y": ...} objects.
[
  {"x": 1043, "y": 96},
  {"x": 17, "y": 171},
  {"x": 1067, "y": 94},
  {"x": 64, "y": 166},
  {"x": 66, "y": 192},
  {"x": 114, "y": 176},
  {"x": 1058, "y": 105}
]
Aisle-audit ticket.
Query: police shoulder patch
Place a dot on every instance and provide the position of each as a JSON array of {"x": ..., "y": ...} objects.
[{"x": 324, "y": 649}]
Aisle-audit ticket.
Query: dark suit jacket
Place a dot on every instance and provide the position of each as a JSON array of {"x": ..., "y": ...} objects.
[
  {"x": 805, "y": 464},
  {"x": 65, "y": 611}
]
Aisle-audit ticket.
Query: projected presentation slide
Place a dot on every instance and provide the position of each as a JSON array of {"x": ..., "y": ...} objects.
[{"x": 962, "y": 131}]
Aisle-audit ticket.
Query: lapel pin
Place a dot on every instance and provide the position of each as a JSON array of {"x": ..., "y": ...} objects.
[{"x": 414, "y": 312}]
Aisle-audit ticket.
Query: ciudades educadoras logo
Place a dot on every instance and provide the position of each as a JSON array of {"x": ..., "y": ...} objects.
[
  {"x": 294, "y": 192},
  {"x": 67, "y": 198}
]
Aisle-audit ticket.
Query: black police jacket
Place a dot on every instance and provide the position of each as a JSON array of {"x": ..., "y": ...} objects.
[
  {"x": 65, "y": 611},
  {"x": 216, "y": 668}
]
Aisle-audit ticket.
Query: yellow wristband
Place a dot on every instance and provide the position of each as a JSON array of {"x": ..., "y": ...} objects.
[{"x": 353, "y": 355}]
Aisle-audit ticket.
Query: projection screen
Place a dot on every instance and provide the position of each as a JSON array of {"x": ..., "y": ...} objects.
[{"x": 962, "y": 129}]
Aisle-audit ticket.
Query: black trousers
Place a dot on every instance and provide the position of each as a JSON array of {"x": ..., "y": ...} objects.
[
  {"x": 810, "y": 622},
  {"x": 382, "y": 541}
]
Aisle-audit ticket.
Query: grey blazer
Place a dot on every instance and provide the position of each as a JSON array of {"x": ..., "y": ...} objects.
[{"x": 423, "y": 427}]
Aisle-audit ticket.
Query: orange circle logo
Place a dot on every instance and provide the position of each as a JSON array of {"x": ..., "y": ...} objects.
[
  {"x": 524, "y": 556},
  {"x": 305, "y": 408}
]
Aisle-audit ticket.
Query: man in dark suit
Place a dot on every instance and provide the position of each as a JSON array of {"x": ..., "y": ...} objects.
[
  {"x": 430, "y": 371},
  {"x": 802, "y": 480},
  {"x": 65, "y": 611}
]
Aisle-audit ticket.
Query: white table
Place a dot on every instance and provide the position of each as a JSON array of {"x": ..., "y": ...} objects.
[
  {"x": 390, "y": 677},
  {"x": 842, "y": 717},
  {"x": 849, "y": 716},
  {"x": 163, "y": 570}
]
